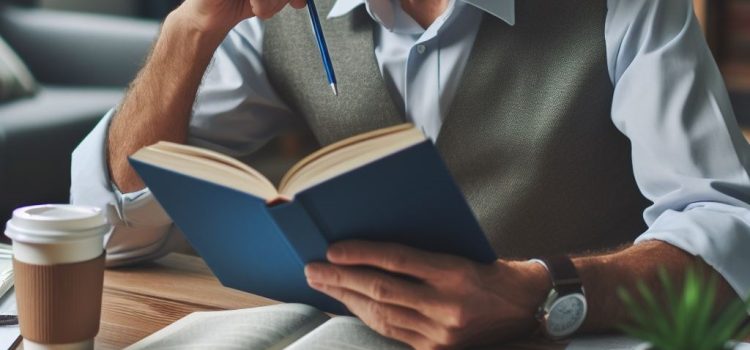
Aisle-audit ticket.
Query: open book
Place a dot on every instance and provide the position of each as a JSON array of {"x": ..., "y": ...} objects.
[
  {"x": 385, "y": 185},
  {"x": 301, "y": 327},
  {"x": 325, "y": 164},
  {"x": 286, "y": 326}
]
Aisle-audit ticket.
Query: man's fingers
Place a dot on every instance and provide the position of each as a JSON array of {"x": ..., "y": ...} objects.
[
  {"x": 392, "y": 321},
  {"x": 280, "y": 6},
  {"x": 298, "y": 4},
  {"x": 373, "y": 284},
  {"x": 392, "y": 257},
  {"x": 265, "y": 9}
]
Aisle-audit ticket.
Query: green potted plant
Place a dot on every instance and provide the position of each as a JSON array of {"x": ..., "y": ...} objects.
[{"x": 686, "y": 319}]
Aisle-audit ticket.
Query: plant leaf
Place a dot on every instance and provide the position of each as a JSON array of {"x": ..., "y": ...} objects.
[
  {"x": 638, "y": 315},
  {"x": 704, "y": 315},
  {"x": 728, "y": 323},
  {"x": 684, "y": 320},
  {"x": 659, "y": 316},
  {"x": 682, "y": 316},
  {"x": 669, "y": 293}
]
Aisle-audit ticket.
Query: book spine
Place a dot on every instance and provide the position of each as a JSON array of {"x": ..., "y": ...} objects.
[{"x": 301, "y": 231}]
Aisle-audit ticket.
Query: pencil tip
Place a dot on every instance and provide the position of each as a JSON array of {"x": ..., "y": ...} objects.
[{"x": 335, "y": 89}]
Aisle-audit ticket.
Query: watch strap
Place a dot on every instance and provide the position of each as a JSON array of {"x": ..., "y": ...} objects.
[
  {"x": 565, "y": 283},
  {"x": 565, "y": 279}
]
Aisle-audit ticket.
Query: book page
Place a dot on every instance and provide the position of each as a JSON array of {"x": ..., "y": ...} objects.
[
  {"x": 208, "y": 166},
  {"x": 270, "y": 327},
  {"x": 347, "y": 155},
  {"x": 346, "y": 333},
  {"x": 333, "y": 160}
]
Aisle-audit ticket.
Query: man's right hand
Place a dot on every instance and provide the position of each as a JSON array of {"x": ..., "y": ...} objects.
[
  {"x": 159, "y": 102},
  {"x": 223, "y": 15}
]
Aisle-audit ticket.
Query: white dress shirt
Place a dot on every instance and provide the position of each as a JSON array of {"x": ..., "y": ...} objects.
[{"x": 669, "y": 99}]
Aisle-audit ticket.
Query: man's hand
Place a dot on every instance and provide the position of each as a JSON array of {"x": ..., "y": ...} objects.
[
  {"x": 440, "y": 301},
  {"x": 431, "y": 301},
  {"x": 223, "y": 15}
]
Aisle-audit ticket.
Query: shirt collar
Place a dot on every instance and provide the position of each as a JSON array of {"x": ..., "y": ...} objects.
[{"x": 502, "y": 9}]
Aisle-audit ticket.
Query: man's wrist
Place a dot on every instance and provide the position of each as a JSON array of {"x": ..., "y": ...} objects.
[
  {"x": 536, "y": 284},
  {"x": 539, "y": 281},
  {"x": 159, "y": 102},
  {"x": 208, "y": 37},
  {"x": 522, "y": 285}
]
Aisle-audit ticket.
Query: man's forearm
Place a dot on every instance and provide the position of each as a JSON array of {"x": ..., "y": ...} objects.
[
  {"x": 603, "y": 275},
  {"x": 159, "y": 103}
]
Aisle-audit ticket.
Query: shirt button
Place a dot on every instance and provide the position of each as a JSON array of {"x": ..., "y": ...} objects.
[{"x": 421, "y": 48}]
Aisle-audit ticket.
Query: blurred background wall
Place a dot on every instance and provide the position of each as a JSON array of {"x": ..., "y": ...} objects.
[
  {"x": 117, "y": 7},
  {"x": 726, "y": 24},
  {"x": 141, "y": 8}
]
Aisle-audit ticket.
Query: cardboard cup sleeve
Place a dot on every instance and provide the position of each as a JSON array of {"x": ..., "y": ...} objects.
[{"x": 59, "y": 304}]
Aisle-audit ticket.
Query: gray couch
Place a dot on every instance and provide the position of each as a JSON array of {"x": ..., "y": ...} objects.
[
  {"x": 741, "y": 104},
  {"x": 83, "y": 63}
]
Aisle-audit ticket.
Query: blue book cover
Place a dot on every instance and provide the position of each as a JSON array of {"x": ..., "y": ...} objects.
[{"x": 407, "y": 197}]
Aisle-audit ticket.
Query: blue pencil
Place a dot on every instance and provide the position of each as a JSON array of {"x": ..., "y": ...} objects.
[{"x": 318, "y": 30}]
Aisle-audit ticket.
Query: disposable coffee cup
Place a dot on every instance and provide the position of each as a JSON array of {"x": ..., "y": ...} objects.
[{"x": 58, "y": 261}]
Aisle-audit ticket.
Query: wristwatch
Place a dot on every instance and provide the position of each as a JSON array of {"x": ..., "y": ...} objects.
[{"x": 565, "y": 308}]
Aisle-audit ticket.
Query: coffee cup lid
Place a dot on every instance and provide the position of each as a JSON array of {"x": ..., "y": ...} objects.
[{"x": 56, "y": 223}]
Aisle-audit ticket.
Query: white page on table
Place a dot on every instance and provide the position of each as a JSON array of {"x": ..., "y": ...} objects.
[
  {"x": 8, "y": 334},
  {"x": 345, "y": 333},
  {"x": 269, "y": 327},
  {"x": 7, "y": 277}
]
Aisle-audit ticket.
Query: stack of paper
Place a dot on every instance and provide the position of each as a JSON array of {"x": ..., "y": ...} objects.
[
  {"x": 6, "y": 268},
  {"x": 9, "y": 335}
]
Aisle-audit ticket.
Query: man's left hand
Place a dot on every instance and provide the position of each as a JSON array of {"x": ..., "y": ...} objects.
[{"x": 428, "y": 300}]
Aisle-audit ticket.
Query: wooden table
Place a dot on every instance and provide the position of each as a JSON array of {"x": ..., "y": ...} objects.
[{"x": 141, "y": 300}]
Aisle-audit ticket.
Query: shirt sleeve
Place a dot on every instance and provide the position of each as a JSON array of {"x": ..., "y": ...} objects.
[
  {"x": 136, "y": 234},
  {"x": 236, "y": 112},
  {"x": 689, "y": 156}
]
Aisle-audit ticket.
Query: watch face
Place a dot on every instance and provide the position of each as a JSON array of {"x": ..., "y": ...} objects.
[{"x": 566, "y": 315}]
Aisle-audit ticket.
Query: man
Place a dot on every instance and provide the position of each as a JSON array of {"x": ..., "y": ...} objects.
[{"x": 531, "y": 103}]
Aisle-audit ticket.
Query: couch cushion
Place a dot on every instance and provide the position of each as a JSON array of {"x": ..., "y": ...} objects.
[
  {"x": 88, "y": 50},
  {"x": 15, "y": 79},
  {"x": 37, "y": 137}
]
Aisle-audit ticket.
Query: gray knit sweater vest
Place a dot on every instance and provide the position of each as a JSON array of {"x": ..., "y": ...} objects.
[{"x": 529, "y": 137}]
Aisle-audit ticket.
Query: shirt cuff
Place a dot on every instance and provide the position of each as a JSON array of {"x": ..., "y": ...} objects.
[
  {"x": 140, "y": 208},
  {"x": 140, "y": 227},
  {"x": 718, "y": 233}
]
